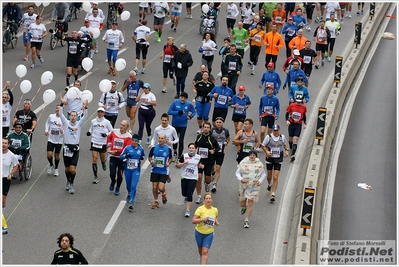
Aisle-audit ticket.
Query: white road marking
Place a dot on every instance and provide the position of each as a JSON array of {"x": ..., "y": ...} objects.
[
  {"x": 114, "y": 217},
  {"x": 145, "y": 165}
]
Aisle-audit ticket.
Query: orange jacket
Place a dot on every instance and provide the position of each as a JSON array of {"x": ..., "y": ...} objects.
[
  {"x": 273, "y": 39},
  {"x": 298, "y": 41}
]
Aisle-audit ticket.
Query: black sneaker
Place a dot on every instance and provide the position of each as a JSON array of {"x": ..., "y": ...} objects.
[
  {"x": 177, "y": 96},
  {"x": 171, "y": 26},
  {"x": 168, "y": 180},
  {"x": 243, "y": 210},
  {"x": 292, "y": 158},
  {"x": 131, "y": 207},
  {"x": 268, "y": 189},
  {"x": 273, "y": 198}
]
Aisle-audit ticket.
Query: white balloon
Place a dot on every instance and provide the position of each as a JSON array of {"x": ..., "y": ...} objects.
[
  {"x": 72, "y": 93},
  {"x": 48, "y": 96},
  {"x": 120, "y": 64},
  {"x": 105, "y": 85},
  {"x": 21, "y": 70},
  {"x": 38, "y": 4},
  {"x": 205, "y": 8},
  {"x": 86, "y": 6},
  {"x": 46, "y": 3},
  {"x": 87, "y": 64},
  {"x": 95, "y": 32},
  {"x": 125, "y": 15},
  {"x": 47, "y": 77},
  {"x": 25, "y": 86},
  {"x": 87, "y": 95}
]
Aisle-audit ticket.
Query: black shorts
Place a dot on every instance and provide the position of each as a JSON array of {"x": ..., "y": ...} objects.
[
  {"x": 219, "y": 157},
  {"x": 267, "y": 121},
  {"x": 72, "y": 62},
  {"x": 68, "y": 161},
  {"x": 207, "y": 170},
  {"x": 241, "y": 155},
  {"x": 308, "y": 70},
  {"x": 219, "y": 112},
  {"x": 156, "y": 177},
  {"x": 188, "y": 5},
  {"x": 274, "y": 163},
  {"x": 230, "y": 23},
  {"x": 54, "y": 147},
  {"x": 238, "y": 118},
  {"x": 141, "y": 48},
  {"x": 103, "y": 148},
  {"x": 145, "y": 8},
  {"x": 6, "y": 186},
  {"x": 294, "y": 129},
  {"x": 246, "y": 26},
  {"x": 321, "y": 47},
  {"x": 37, "y": 45},
  {"x": 159, "y": 21}
]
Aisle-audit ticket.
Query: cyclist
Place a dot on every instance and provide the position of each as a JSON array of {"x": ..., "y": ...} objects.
[
  {"x": 112, "y": 13},
  {"x": 19, "y": 143},
  {"x": 38, "y": 32},
  {"x": 6, "y": 107},
  {"x": 115, "y": 40},
  {"x": 27, "y": 117},
  {"x": 14, "y": 13},
  {"x": 27, "y": 19},
  {"x": 61, "y": 9}
]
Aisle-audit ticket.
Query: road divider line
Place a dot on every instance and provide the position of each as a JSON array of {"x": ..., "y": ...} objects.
[{"x": 114, "y": 217}]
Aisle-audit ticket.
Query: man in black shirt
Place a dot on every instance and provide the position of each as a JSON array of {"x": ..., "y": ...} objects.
[
  {"x": 28, "y": 117},
  {"x": 68, "y": 254},
  {"x": 74, "y": 44},
  {"x": 232, "y": 65}
]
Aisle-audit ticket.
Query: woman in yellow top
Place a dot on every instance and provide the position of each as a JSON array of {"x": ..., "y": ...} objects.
[{"x": 206, "y": 218}]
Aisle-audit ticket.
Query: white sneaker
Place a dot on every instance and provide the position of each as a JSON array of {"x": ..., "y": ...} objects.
[
  {"x": 33, "y": 65},
  {"x": 50, "y": 169},
  {"x": 41, "y": 59},
  {"x": 164, "y": 90},
  {"x": 187, "y": 214},
  {"x": 56, "y": 173},
  {"x": 350, "y": 16},
  {"x": 136, "y": 70},
  {"x": 71, "y": 189},
  {"x": 198, "y": 200},
  {"x": 143, "y": 71},
  {"x": 148, "y": 140}
]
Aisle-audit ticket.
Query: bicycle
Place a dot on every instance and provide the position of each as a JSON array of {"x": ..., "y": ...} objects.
[
  {"x": 74, "y": 11},
  {"x": 57, "y": 34},
  {"x": 10, "y": 37},
  {"x": 112, "y": 9}
]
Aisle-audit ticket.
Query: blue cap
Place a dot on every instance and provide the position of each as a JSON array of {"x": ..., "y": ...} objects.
[
  {"x": 147, "y": 85},
  {"x": 276, "y": 127}
]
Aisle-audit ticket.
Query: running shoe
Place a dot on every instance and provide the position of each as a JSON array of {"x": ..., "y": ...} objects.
[
  {"x": 326, "y": 56},
  {"x": 292, "y": 158},
  {"x": 317, "y": 20},
  {"x": 243, "y": 210},
  {"x": 71, "y": 189},
  {"x": 164, "y": 199},
  {"x": 104, "y": 166},
  {"x": 246, "y": 224},
  {"x": 111, "y": 187},
  {"x": 207, "y": 187},
  {"x": 33, "y": 65},
  {"x": 56, "y": 173},
  {"x": 142, "y": 71},
  {"x": 252, "y": 72},
  {"x": 155, "y": 205},
  {"x": 68, "y": 185},
  {"x": 50, "y": 169},
  {"x": 128, "y": 198},
  {"x": 168, "y": 180},
  {"x": 95, "y": 180},
  {"x": 177, "y": 96},
  {"x": 158, "y": 39},
  {"x": 250, "y": 64},
  {"x": 347, "y": 15},
  {"x": 174, "y": 29},
  {"x": 164, "y": 90},
  {"x": 272, "y": 198},
  {"x": 358, "y": 12},
  {"x": 329, "y": 59},
  {"x": 96, "y": 51},
  {"x": 322, "y": 63},
  {"x": 109, "y": 71},
  {"x": 268, "y": 189},
  {"x": 41, "y": 59},
  {"x": 361, "y": 12},
  {"x": 198, "y": 200},
  {"x": 214, "y": 188},
  {"x": 25, "y": 58},
  {"x": 350, "y": 16},
  {"x": 149, "y": 140},
  {"x": 171, "y": 26},
  {"x": 187, "y": 214},
  {"x": 174, "y": 157},
  {"x": 317, "y": 65},
  {"x": 131, "y": 207},
  {"x": 117, "y": 191},
  {"x": 136, "y": 70},
  {"x": 259, "y": 149}
]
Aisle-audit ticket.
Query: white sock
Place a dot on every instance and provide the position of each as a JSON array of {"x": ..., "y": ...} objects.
[{"x": 4, "y": 209}]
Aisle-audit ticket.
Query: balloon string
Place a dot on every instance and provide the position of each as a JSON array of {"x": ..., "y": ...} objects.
[
  {"x": 123, "y": 28},
  {"x": 20, "y": 101},
  {"x": 37, "y": 92},
  {"x": 42, "y": 10},
  {"x": 87, "y": 82},
  {"x": 41, "y": 112},
  {"x": 15, "y": 84}
]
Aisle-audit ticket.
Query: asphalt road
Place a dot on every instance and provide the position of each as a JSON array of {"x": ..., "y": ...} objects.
[
  {"x": 369, "y": 155},
  {"x": 40, "y": 209}
]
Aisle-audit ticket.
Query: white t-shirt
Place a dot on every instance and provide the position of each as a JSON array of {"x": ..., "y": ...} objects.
[
  {"x": 28, "y": 20},
  {"x": 75, "y": 104},
  {"x": 37, "y": 30},
  {"x": 9, "y": 162},
  {"x": 53, "y": 127},
  {"x": 169, "y": 131},
  {"x": 141, "y": 33},
  {"x": 97, "y": 127},
  {"x": 114, "y": 37},
  {"x": 6, "y": 112},
  {"x": 232, "y": 11},
  {"x": 150, "y": 96},
  {"x": 160, "y": 9},
  {"x": 95, "y": 21},
  {"x": 190, "y": 170},
  {"x": 100, "y": 13}
]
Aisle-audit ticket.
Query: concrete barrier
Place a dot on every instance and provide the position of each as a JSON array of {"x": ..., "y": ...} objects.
[{"x": 302, "y": 248}]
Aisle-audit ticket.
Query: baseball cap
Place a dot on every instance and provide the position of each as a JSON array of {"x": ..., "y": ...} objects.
[
  {"x": 276, "y": 127},
  {"x": 184, "y": 94},
  {"x": 253, "y": 152},
  {"x": 269, "y": 86},
  {"x": 95, "y": 3},
  {"x": 18, "y": 122},
  {"x": 241, "y": 88},
  {"x": 270, "y": 64},
  {"x": 290, "y": 18},
  {"x": 296, "y": 52},
  {"x": 147, "y": 85},
  {"x": 101, "y": 109},
  {"x": 86, "y": 20},
  {"x": 113, "y": 81}
]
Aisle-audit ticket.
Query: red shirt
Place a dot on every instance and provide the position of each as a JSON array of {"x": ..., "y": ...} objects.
[
  {"x": 118, "y": 142},
  {"x": 296, "y": 111}
]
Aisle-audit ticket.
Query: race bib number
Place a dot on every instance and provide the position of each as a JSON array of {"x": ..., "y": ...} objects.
[
  {"x": 296, "y": 116},
  {"x": 34, "y": 39},
  {"x": 203, "y": 152},
  {"x": 16, "y": 143},
  {"x": 111, "y": 104},
  {"x": 159, "y": 162},
  {"x": 222, "y": 99},
  {"x": 257, "y": 38},
  {"x": 73, "y": 49},
  {"x": 67, "y": 152},
  {"x": 248, "y": 147},
  {"x": 240, "y": 109},
  {"x": 232, "y": 65},
  {"x": 97, "y": 145},
  {"x": 167, "y": 58},
  {"x": 176, "y": 8},
  {"x": 291, "y": 33},
  {"x": 118, "y": 143},
  {"x": 268, "y": 110},
  {"x": 54, "y": 131},
  {"x": 111, "y": 44},
  {"x": 229, "y": 13},
  {"x": 279, "y": 19},
  {"x": 190, "y": 171},
  {"x": 132, "y": 94},
  {"x": 132, "y": 164},
  {"x": 207, "y": 53},
  {"x": 238, "y": 44},
  {"x": 210, "y": 222},
  {"x": 297, "y": 93},
  {"x": 199, "y": 98},
  {"x": 307, "y": 59},
  {"x": 4, "y": 118},
  {"x": 275, "y": 152}
]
